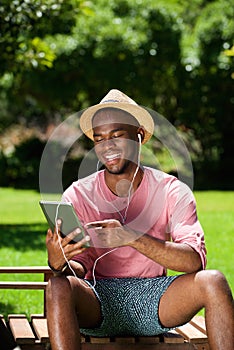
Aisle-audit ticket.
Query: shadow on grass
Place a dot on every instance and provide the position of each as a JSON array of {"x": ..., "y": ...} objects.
[
  {"x": 6, "y": 309},
  {"x": 23, "y": 237}
]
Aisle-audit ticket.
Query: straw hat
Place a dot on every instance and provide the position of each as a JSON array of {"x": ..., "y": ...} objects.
[{"x": 117, "y": 99}]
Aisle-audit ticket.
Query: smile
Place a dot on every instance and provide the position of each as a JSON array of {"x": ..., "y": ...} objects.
[{"x": 112, "y": 156}]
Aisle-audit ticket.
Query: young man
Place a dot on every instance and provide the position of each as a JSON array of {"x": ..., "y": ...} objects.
[{"x": 140, "y": 222}]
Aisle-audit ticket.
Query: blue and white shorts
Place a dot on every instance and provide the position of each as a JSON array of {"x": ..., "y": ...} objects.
[{"x": 130, "y": 306}]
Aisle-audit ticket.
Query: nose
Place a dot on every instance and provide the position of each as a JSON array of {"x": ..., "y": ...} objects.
[{"x": 106, "y": 144}]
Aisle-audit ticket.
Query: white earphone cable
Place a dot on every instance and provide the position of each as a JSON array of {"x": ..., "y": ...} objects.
[{"x": 122, "y": 216}]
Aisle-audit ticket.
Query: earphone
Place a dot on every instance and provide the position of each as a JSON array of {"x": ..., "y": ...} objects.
[
  {"x": 122, "y": 216},
  {"x": 139, "y": 137}
]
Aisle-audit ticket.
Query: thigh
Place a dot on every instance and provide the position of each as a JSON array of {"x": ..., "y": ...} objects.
[
  {"x": 86, "y": 303},
  {"x": 181, "y": 301},
  {"x": 72, "y": 299}
]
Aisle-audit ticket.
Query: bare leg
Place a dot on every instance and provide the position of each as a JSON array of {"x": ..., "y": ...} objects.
[
  {"x": 190, "y": 293},
  {"x": 70, "y": 304}
]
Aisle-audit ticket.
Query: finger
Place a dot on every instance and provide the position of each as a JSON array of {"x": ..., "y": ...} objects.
[
  {"x": 71, "y": 236},
  {"x": 94, "y": 224},
  {"x": 83, "y": 241},
  {"x": 76, "y": 248},
  {"x": 58, "y": 225},
  {"x": 74, "y": 233},
  {"x": 49, "y": 233},
  {"x": 102, "y": 223}
]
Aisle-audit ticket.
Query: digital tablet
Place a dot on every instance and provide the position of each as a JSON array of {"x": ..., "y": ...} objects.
[{"x": 65, "y": 211}]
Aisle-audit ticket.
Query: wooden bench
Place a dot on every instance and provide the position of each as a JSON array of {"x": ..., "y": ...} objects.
[{"x": 31, "y": 333}]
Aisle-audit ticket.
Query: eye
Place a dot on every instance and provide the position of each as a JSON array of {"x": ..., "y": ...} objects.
[
  {"x": 117, "y": 134},
  {"x": 98, "y": 139}
]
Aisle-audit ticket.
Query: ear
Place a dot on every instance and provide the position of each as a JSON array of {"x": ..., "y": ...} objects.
[{"x": 141, "y": 132}]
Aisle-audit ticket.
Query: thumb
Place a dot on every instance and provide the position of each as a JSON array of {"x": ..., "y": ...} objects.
[{"x": 49, "y": 235}]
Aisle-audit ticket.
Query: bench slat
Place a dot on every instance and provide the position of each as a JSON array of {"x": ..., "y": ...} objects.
[
  {"x": 192, "y": 334},
  {"x": 23, "y": 285},
  {"x": 125, "y": 340},
  {"x": 148, "y": 340},
  {"x": 199, "y": 322},
  {"x": 138, "y": 346},
  {"x": 25, "y": 269},
  {"x": 173, "y": 337},
  {"x": 98, "y": 340},
  {"x": 40, "y": 327},
  {"x": 21, "y": 329}
]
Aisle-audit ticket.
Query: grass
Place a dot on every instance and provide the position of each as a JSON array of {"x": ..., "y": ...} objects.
[
  {"x": 23, "y": 231},
  {"x": 22, "y": 243},
  {"x": 216, "y": 213}
]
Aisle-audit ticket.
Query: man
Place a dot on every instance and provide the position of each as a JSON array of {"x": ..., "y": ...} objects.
[{"x": 140, "y": 222}]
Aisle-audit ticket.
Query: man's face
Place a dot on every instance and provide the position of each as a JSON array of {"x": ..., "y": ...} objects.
[{"x": 115, "y": 141}]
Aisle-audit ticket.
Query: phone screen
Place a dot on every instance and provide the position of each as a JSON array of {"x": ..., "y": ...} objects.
[{"x": 66, "y": 212}]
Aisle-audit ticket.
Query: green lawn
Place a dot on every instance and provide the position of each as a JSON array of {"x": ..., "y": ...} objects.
[
  {"x": 216, "y": 214},
  {"x": 23, "y": 231}
]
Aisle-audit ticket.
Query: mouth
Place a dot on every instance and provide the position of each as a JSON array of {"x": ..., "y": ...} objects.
[{"x": 111, "y": 158}]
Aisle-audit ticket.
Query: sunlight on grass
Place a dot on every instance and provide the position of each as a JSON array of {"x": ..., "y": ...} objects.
[
  {"x": 216, "y": 214},
  {"x": 22, "y": 206}
]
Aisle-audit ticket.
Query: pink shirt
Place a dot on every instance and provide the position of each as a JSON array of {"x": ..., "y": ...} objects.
[{"x": 162, "y": 207}]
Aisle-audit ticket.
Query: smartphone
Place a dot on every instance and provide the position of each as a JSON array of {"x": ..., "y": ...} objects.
[{"x": 65, "y": 211}]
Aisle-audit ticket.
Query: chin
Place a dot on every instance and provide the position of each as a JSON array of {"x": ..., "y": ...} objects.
[
  {"x": 117, "y": 169},
  {"x": 114, "y": 170}
]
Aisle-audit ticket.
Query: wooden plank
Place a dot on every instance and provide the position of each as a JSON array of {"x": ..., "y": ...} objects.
[
  {"x": 199, "y": 322},
  {"x": 192, "y": 334},
  {"x": 138, "y": 346},
  {"x": 21, "y": 329},
  {"x": 172, "y": 337},
  {"x": 39, "y": 324},
  {"x": 148, "y": 340},
  {"x": 25, "y": 269},
  {"x": 125, "y": 340},
  {"x": 99, "y": 340},
  {"x": 23, "y": 285},
  {"x": 39, "y": 346},
  {"x": 40, "y": 328}
]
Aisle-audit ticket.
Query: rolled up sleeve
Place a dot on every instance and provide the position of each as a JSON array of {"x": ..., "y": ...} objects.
[{"x": 184, "y": 224}]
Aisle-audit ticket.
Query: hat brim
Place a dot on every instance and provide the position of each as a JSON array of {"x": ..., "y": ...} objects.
[{"x": 143, "y": 117}]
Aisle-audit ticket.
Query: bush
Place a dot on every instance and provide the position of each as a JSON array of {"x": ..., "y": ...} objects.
[{"x": 21, "y": 168}]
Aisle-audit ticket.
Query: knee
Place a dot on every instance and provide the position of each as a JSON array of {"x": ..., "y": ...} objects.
[
  {"x": 212, "y": 281},
  {"x": 57, "y": 288}
]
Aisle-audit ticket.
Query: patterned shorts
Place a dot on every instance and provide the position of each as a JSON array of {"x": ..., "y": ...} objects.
[{"x": 130, "y": 306}]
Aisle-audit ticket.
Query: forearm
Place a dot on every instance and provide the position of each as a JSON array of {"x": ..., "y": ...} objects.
[
  {"x": 77, "y": 268},
  {"x": 173, "y": 256}
]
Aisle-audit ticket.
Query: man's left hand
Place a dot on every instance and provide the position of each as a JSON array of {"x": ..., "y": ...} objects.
[{"x": 110, "y": 233}]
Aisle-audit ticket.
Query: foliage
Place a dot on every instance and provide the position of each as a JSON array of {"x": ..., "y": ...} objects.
[
  {"x": 174, "y": 56},
  {"x": 24, "y": 24},
  {"x": 21, "y": 168}
]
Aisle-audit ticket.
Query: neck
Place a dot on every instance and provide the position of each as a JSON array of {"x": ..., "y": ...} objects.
[{"x": 121, "y": 184}]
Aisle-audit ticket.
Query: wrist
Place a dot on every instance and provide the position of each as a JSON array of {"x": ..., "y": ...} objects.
[
  {"x": 134, "y": 237},
  {"x": 60, "y": 271}
]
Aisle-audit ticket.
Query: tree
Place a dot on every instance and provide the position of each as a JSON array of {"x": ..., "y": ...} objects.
[
  {"x": 24, "y": 50},
  {"x": 170, "y": 56}
]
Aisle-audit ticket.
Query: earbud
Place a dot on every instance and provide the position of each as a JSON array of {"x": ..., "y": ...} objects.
[{"x": 139, "y": 137}]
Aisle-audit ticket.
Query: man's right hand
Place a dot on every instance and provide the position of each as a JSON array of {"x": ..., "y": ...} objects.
[{"x": 57, "y": 246}]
